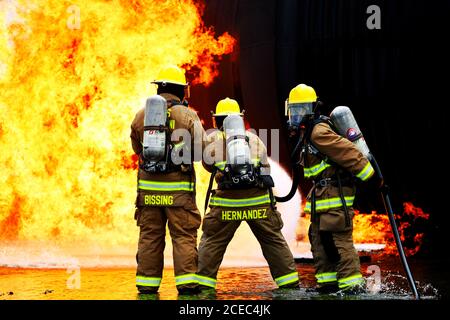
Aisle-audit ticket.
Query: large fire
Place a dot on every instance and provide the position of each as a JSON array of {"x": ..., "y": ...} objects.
[{"x": 72, "y": 76}]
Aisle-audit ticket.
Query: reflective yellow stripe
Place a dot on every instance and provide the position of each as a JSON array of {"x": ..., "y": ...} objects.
[
  {"x": 206, "y": 281},
  {"x": 366, "y": 173},
  {"x": 220, "y": 135},
  {"x": 227, "y": 202},
  {"x": 326, "y": 277},
  {"x": 148, "y": 281},
  {"x": 165, "y": 186},
  {"x": 287, "y": 279},
  {"x": 179, "y": 144},
  {"x": 314, "y": 171},
  {"x": 354, "y": 280},
  {"x": 221, "y": 165},
  {"x": 323, "y": 205},
  {"x": 186, "y": 278},
  {"x": 256, "y": 161}
]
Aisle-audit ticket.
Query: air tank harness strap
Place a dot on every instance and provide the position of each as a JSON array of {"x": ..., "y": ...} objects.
[
  {"x": 158, "y": 128},
  {"x": 175, "y": 102},
  {"x": 227, "y": 183},
  {"x": 306, "y": 142},
  {"x": 246, "y": 138},
  {"x": 344, "y": 204},
  {"x": 170, "y": 168},
  {"x": 266, "y": 181},
  {"x": 208, "y": 192},
  {"x": 333, "y": 182},
  {"x": 314, "y": 217},
  {"x": 272, "y": 199},
  {"x": 193, "y": 182}
]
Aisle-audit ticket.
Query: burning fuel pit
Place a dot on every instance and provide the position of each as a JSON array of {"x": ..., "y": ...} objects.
[{"x": 71, "y": 79}]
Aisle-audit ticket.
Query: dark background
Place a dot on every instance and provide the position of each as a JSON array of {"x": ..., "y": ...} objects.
[{"x": 395, "y": 80}]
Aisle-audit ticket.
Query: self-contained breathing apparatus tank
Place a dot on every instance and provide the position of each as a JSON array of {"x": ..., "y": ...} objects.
[
  {"x": 156, "y": 135},
  {"x": 239, "y": 163},
  {"x": 346, "y": 126},
  {"x": 344, "y": 123}
]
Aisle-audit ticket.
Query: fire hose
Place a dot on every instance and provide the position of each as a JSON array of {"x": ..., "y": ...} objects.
[{"x": 387, "y": 204}]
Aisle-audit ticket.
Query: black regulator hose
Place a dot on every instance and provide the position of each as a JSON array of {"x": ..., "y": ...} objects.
[
  {"x": 295, "y": 173},
  {"x": 295, "y": 181},
  {"x": 398, "y": 242}
]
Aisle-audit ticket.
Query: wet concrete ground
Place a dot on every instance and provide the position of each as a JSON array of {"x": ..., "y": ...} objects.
[{"x": 233, "y": 283}]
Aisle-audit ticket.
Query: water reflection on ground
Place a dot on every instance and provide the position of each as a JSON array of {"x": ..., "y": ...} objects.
[{"x": 233, "y": 283}]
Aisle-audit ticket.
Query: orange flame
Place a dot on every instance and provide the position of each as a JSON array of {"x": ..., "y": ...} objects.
[
  {"x": 375, "y": 228},
  {"x": 72, "y": 76}
]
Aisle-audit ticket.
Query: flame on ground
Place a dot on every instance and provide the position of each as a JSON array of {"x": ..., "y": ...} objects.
[
  {"x": 375, "y": 228},
  {"x": 72, "y": 76}
]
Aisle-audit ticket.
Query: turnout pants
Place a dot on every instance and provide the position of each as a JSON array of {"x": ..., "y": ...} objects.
[
  {"x": 335, "y": 258},
  {"x": 183, "y": 224},
  {"x": 217, "y": 233}
]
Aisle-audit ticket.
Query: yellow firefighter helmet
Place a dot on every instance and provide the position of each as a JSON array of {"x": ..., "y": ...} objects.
[
  {"x": 302, "y": 94},
  {"x": 171, "y": 74},
  {"x": 300, "y": 104},
  {"x": 226, "y": 107}
]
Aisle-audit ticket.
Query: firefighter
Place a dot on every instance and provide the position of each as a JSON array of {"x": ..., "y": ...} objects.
[
  {"x": 244, "y": 193},
  {"x": 166, "y": 191},
  {"x": 333, "y": 163}
]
